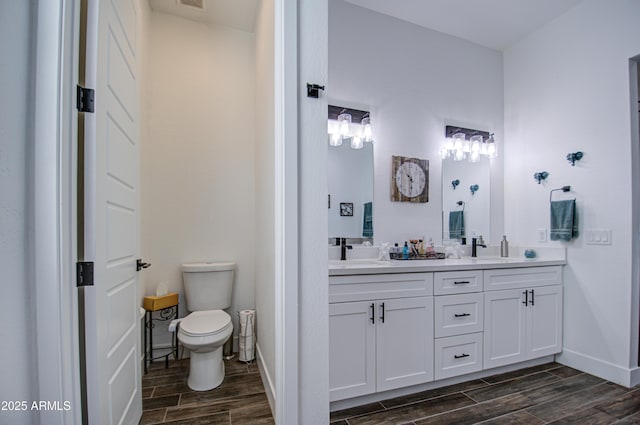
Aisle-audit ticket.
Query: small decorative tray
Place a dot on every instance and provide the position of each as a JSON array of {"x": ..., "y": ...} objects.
[{"x": 412, "y": 256}]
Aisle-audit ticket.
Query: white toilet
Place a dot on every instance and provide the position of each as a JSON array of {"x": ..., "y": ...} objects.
[{"x": 207, "y": 288}]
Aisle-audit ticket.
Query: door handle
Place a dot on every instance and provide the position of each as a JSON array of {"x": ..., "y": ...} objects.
[
  {"x": 532, "y": 297},
  {"x": 526, "y": 298},
  {"x": 461, "y": 315},
  {"x": 140, "y": 265},
  {"x": 373, "y": 314},
  {"x": 382, "y": 312}
]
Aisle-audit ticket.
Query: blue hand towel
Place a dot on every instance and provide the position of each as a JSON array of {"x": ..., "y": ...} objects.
[
  {"x": 367, "y": 221},
  {"x": 456, "y": 224},
  {"x": 564, "y": 220}
]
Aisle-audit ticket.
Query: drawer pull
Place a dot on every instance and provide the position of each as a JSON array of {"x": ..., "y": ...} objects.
[
  {"x": 461, "y": 356},
  {"x": 462, "y": 315},
  {"x": 461, "y": 282}
]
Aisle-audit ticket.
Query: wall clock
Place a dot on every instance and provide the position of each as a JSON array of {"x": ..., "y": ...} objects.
[{"x": 409, "y": 179}]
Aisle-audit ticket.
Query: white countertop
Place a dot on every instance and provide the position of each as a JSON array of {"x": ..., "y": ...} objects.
[{"x": 372, "y": 266}]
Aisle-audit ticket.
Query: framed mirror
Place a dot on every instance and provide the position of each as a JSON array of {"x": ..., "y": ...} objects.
[
  {"x": 350, "y": 181},
  {"x": 466, "y": 209}
]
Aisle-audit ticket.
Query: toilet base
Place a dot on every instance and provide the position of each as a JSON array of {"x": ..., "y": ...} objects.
[{"x": 206, "y": 370}]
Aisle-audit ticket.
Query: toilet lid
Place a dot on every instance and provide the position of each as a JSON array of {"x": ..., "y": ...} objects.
[{"x": 201, "y": 323}]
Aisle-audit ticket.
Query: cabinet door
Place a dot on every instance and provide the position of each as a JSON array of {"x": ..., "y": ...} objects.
[
  {"x": 544, "y": 321},
  {"x": 351, "y": 350},
  {"x": 404, "y": 342},
  {"x": 504, "y": 341}
]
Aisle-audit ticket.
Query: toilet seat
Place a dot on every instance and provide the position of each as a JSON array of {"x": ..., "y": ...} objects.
[{"x": 205, "y": 323}]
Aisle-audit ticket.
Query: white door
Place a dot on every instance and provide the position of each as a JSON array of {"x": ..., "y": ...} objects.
[
  {"x": 504, "y": 328},
  {"x": 544, "y": 321},
  {"x": 112, "y": 335},
  {"x": 404, "y": 341},
  {"x": 352, "y": 340}
]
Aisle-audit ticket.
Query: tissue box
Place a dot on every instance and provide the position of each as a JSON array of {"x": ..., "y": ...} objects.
[{"x": 153, "y": 303}]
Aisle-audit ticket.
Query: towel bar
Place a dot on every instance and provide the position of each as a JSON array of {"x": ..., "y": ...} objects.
[{"x": 563, "y": 188}]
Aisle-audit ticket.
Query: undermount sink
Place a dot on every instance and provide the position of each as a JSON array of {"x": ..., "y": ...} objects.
[
  {"x": 496, "y": 259},
  {"x": 359, "y": 262}
]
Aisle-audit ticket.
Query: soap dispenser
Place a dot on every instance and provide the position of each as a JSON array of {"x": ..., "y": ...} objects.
[
  {"x": 504, "y": 247},
  {"x": 405, "y": 251}
]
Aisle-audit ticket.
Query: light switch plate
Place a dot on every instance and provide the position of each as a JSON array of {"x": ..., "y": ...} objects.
[
  {"x": 598, "y": 236},
  {"x": 542, "y": 235}
]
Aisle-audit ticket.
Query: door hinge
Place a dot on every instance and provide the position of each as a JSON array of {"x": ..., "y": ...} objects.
[
  {"x": 85, "y": 99},
  {"x": 84, "y": 273}
]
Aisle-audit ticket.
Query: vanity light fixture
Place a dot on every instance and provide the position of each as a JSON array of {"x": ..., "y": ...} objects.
[
  {"x": 464, "y": 143},
  {"x": 349, "y": 124}
]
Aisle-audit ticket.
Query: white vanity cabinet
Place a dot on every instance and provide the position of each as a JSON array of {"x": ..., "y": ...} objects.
[
  {"x": 381, "y": 333},
  {"x": 525, "y": 322},
  {"x": 459, "y": 322},
  {"x": 391, "y": 328}
]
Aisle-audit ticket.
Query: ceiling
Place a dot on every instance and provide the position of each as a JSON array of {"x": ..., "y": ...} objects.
[
  {"x": 238, "y": 14},
  {"x": 496, "y": 24}
]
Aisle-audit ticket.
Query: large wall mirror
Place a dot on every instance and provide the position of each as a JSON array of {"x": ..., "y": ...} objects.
[
  {"x": 350, "y": 174},
  {"x": 350, "y": 180},
  {"x": 466, "y": 208}
]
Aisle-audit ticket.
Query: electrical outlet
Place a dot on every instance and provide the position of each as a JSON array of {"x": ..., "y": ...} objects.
[{"x": 542, "y": 235}]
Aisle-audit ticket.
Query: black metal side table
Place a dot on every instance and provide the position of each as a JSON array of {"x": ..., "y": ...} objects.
[{"x": 163, "y": 314}]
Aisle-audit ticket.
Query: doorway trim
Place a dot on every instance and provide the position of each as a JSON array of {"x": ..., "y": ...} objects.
[
  {"x": 634, "y": 85},
  {"x": 52, "y": 244},
  {"x": 286, "y": 214}
]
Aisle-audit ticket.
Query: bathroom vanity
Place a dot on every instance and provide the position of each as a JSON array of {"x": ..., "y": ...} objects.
[{"x": 403, "y": 324}]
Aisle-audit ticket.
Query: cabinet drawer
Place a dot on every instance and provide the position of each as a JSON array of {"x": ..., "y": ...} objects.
[
  {"x": 522, "y": 278},
  {"x": 458, "y": 314},
  {"x": 458, "y": 355},
  {"x": 461, "y": 282},
  {"x": 380, "y": 286}
]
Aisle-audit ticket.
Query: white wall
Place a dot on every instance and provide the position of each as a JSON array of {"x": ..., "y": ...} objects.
[
  {"x": 198, "y": 156},
  {"x": 265, "y": 285},
  {"x": 417, "y": 81},
  {"x": 567, "y": 89},
  {"x": 17, "y": 362}
]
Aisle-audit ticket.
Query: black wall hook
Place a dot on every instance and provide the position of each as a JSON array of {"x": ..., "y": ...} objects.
[
  {"x": 573, "y": 157},
  {"x": 540, "y": 175},
  {"x": 313, "y": 90}
]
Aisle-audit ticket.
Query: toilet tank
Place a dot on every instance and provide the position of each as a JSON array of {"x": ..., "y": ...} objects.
[{"x": 208, "y": 286}]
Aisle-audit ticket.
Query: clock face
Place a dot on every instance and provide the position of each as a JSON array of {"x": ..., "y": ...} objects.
[{"x": 410, "y": 179}]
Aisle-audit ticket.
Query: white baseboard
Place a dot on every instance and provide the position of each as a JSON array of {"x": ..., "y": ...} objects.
[
  {"x": 600, "y": 368},
  {"x": 269, "y": 388}
]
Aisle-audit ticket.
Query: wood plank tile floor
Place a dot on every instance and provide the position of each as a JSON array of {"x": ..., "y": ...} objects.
[
  {"x": 240, "y": 400},
  {"x": 544, "y": 394}
]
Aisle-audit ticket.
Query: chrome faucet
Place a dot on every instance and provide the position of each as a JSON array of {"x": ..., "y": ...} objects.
[
  {"x": 475, "y": 243},
  {"x": 343, "y": 249}
]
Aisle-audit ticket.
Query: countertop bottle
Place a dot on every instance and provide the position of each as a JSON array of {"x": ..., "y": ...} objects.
[
  {"x": 405, "y": 251},
  {"x": 504, "y": 247}
]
